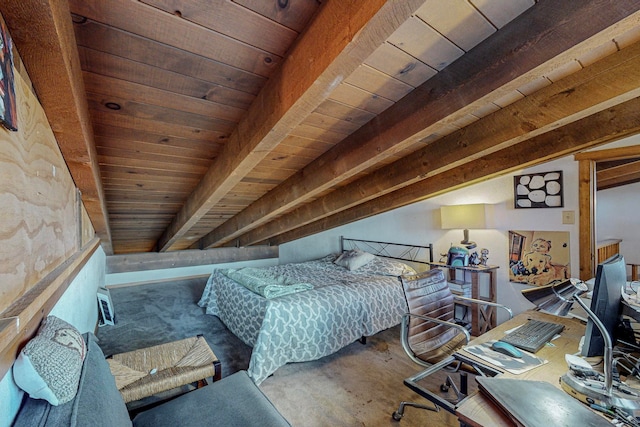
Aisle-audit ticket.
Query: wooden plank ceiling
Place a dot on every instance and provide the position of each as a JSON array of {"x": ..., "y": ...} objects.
[{"x": 220, "y": 122}]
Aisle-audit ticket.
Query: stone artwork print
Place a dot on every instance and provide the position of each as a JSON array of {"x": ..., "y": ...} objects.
[{"x": 538, "y": 190}]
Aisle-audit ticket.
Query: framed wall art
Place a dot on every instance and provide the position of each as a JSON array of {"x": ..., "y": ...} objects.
[
  {"x": 538, "y": 190},
  {"x": 538, "y": 258},
  {"x": 7, "y": 94}
]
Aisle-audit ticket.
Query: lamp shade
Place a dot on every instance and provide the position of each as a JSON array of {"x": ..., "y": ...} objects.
[
  {"x": 472, "y": 216},
  {"x": 556, "y": 298}
]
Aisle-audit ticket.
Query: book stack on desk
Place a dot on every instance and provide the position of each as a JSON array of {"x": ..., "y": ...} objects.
[{"x": 459, "y": 288}]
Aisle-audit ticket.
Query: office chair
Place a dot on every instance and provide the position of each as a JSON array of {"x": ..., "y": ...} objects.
[{"x": 430, "y": 337}]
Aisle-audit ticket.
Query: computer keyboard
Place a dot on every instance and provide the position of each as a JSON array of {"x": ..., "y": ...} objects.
[{"x": 533, "y": 335}]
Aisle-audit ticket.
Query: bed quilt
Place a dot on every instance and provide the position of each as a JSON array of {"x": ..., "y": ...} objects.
[{"x": 342, "y": 307}]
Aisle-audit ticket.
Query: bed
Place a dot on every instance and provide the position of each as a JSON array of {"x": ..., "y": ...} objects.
[{"x": 334, "y": 306}]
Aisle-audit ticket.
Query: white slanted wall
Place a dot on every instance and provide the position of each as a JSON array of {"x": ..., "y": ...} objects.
[{"x": 419, "y": 224}]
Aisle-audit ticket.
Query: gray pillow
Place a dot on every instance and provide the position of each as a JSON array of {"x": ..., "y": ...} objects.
[
  {"x": 98, "y": 402},
  {"x": 49, "y": 366},
  {"x": 354, "y": 259}
]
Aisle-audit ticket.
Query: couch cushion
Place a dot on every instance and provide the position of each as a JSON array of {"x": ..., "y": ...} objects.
[
  {"x": 98, "y": 402},
  {"x": 234, "y": 401},
  {"x": 49, "y": 366}
]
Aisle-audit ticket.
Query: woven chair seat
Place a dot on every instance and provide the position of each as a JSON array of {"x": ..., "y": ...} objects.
[{"x": 152, "y": 370}]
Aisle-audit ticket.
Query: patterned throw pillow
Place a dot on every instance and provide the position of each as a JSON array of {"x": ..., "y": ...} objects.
[
  {"x": 49, "y": 366},
  {"x": 354, "y": 259}
]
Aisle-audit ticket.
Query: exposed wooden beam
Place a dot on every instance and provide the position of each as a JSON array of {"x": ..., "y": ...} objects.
[
  {"x": 318, "y": 62},
  {"x": 611, "y": 124},
  {"x": 587, "y": 215},
  {"x": 549, "y": 34},
  {"x": 610, "y": 154},
  {"x": 43, "y": 35},
  {"x": 188, "y": 258},
  {"x": 612, "y": 80},
  {"x": 618, "y": 175}
]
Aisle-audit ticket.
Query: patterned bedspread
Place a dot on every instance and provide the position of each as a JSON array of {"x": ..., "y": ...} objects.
[{"x": 342, "y": 307}]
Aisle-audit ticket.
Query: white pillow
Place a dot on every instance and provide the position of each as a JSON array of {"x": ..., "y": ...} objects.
[
  {"x": 49, "y": 366},
  {"x": 354, "y": 259}
]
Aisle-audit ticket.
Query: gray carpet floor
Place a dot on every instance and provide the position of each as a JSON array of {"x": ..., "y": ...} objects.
[
  {"x": 360, "y": 385},
  {"x": 157, "y": 313}
]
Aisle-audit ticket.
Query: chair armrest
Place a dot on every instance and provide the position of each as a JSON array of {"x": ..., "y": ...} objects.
[
  {"x": 483, "y": 302},
  {"x": 404, "y": 333}
]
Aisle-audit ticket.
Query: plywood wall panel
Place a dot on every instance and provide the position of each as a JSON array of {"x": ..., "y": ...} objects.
[{"x": 40, "y": 224}]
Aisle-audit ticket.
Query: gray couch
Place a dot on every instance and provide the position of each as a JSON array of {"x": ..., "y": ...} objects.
[{"x": 233, "y": 401}]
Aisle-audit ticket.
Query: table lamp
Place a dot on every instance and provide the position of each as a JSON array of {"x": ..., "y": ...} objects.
[
  {"x": 589, "y": 387},
  {"x": 464, "y": 217}
]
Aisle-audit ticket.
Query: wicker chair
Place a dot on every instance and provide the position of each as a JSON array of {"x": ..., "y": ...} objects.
[
  {"x": 153, "y": 370},
  {"x": 430, "y": 337}
]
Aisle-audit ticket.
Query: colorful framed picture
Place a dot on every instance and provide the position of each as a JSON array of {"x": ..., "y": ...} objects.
[
  {"x": 7, "y": 93},
  {"x": 538, "y": 190},
  {"x": 538, "y": 258}
]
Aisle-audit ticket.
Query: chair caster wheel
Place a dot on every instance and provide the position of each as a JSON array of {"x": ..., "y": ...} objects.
[
  {"x": 444, "y": 388},
  {"x": 397, "y": 416}
]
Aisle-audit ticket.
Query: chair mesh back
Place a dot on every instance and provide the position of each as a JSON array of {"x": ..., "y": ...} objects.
[{"x": 428, "y": 294}]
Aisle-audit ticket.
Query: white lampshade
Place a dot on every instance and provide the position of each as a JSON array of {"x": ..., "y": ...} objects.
[{"x": 472, "y": 216}]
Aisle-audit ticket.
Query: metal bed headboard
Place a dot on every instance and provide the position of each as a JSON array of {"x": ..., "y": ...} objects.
[{"x": 400, "y": 251}]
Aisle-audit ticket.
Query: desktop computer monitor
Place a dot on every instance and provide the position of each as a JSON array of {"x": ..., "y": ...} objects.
[{"x": 611, "y": 277}]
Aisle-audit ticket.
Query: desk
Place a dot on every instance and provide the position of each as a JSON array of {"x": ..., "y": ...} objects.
[{"x": 476, "y": 410}]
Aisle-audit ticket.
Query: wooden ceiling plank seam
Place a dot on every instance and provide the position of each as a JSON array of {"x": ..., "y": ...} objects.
[
  {"x": 137, "y": 172},
  {"x": 106, "y": 132},
  {"x": 397, "y": 63},
  {"x": 153, "y": 165},
  {"x": 134, "y": 109},
  {"x": 319, "y": 60},
  {"x": 378, "y": 83},
  {"x": 458, "y": 21},
  {"x": 172, "y": 30},
  {"x": 330, "y": 123},
  {"x": 49, "y": 53},
  {"x": 499, "y": 14},
  {"x": 305, "y": 130},
  {"x": 538, "y": 36},
  {"x": 197, "y": 151},
  {"x": 181, "y": 131},
  {"x": 184, "y": 162},
  {"x": 247, "y": 26},
  {"x": 342, "y": 111},
  {"x": 423, "y": 42},
  {"x": 355, "y": 97},
  {"x": 111, "y": 86},
  {"x": 114, "y": 42},
  {"x": 606, "y": 126},
  {"x": 137, "y": 72},
  {"x": 294, "y": 15}
]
